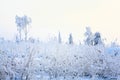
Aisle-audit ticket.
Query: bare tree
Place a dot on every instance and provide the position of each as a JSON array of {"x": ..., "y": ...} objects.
[{"x": 22, "y": 23}]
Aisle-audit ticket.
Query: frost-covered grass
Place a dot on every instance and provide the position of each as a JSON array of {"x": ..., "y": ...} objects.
[{"x": 53, "y": 61}]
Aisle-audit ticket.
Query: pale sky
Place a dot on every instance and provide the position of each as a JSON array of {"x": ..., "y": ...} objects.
[{"x": 66, "y": 16}]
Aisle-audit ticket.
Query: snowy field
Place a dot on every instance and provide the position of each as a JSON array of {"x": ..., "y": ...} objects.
[{"x": 54, "y": 61}]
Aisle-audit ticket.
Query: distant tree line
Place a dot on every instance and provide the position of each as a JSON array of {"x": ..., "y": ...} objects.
[
  {"x": 24, "y": 22},
  {"x": 91, "y": 39}
]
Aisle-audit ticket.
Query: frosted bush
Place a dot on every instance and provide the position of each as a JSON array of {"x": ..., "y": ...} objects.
[{"x": 29, "y": 61}]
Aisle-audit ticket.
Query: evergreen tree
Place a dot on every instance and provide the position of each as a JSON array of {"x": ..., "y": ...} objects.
[
  {"x": 59, "y": 38},
  {"x": 70, "y": 39},
  {"x": 97, "y": 38}
]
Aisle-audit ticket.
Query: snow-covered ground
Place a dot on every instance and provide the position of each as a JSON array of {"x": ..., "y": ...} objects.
[{"x": 54, "y": 61}]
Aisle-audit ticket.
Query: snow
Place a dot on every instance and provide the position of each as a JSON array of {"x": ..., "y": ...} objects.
[{"x": 54, "y": 61}]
